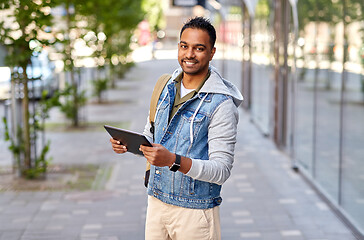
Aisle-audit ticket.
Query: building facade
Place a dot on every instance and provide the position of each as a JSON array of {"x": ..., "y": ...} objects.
[{"x": 303, "y": 81}]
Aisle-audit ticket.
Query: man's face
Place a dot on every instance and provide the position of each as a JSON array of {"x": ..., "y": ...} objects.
[{"x": 195, "y": 51}]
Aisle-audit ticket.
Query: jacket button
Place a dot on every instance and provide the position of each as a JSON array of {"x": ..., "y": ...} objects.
[{"x": 157, "y": 172}]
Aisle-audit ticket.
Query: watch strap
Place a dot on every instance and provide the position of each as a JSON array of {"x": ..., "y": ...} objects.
[{"x": 177, "y": 164}]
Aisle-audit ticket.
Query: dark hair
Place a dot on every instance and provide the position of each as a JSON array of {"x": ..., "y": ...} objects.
[{"x": 203, "y": 24}]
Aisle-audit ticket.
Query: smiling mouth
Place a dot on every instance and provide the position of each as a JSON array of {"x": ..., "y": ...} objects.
[{"x": 189, "y": 63}]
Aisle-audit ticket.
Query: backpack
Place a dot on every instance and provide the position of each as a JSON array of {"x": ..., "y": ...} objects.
[{"x": 157, "y": 91}]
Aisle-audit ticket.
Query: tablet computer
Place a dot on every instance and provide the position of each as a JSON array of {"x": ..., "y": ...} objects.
[{"x": 132, "y": 140}]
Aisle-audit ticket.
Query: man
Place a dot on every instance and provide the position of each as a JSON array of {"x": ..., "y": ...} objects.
[{"x": 194, "y": 139}]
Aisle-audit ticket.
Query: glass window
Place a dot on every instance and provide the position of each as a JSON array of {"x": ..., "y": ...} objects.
[
  {"x": 352, "y": 194},
  {"x": 262, "y": 63},
  {"x": 328, "y": 98},
  {"x": 305, "y": 84},
  {"x": 329, "y": 126}
]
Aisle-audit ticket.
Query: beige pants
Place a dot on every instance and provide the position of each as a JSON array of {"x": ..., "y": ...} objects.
[{"x": 169, "y": 222}]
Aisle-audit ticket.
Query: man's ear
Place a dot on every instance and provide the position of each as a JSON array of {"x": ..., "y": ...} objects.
[{"x": 213, "y": 50}]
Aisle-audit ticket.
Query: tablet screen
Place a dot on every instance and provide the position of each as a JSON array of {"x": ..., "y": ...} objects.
[{"x": 132, "y": 140}]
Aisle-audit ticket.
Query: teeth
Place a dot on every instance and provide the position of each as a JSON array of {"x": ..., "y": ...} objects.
[{"x": 189, "y": 63}]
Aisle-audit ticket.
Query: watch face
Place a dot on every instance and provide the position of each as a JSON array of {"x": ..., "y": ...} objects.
[
  {"x": 174, "y": 167},
  {"x": 177, "y": 164}
]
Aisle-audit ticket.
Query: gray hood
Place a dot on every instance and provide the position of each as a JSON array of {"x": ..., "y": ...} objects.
[{"x": 217, "y": 84}]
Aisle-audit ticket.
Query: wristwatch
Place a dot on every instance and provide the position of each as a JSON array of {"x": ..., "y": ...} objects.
[{"x": 177, "y": 164}]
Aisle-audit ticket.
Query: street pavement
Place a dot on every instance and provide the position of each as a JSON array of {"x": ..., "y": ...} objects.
[{"x": 263, "y": 198}]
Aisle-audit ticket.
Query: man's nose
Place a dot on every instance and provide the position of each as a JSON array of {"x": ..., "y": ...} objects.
[{"x": 190, "y": 53}]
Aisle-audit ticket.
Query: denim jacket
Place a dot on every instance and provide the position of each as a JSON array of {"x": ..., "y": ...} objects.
[{"x": 203, "y": 129}]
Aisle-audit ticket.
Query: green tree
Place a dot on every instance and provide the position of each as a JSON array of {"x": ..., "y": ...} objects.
[
  {"x": 355, "y": 11},
  {"x": 24, "y": 30},
  {"x": 320, "y": 11},
  {"x": 68, "y": 32},
  {"x": 154, "y": 14},
  {"x": 112, "y": 26},
  {"x": 107, "y": 31}
]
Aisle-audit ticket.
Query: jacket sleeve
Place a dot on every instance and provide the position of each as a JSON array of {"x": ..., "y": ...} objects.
[
  {"x": 221, "y": 142},
  {"x": 147, "y": 132}
]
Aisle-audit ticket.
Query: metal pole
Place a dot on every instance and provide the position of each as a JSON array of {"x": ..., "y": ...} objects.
[
  {"x": 284, "y": 95},
  {"x": 314, "y": 133},
  {"x": 250, "y": 70},
  {"x": 243, "y": 64},
  {"x": 223, "y": 45},
  {"x": 13, "y": 119},
  {"x": 342, "y": 97},
  {"x": 293, "y": 87},
  {"x": 277, "y": 33}
]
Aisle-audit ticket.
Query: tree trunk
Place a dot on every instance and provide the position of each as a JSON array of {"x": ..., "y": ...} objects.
[
  {"x": 68, "y": 51},
  {"x": 26, "y": 127},
  {"x": 75, "y": 99}
]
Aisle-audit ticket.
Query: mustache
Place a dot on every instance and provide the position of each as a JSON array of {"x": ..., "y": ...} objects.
[{"x": 189, "y": 59}]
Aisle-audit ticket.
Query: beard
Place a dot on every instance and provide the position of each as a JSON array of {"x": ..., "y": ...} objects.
[{"x": 192, "y": 69}]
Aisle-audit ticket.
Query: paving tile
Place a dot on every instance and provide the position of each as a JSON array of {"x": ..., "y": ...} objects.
[
  {"x": 291, "y": 233},
  {"x": 114, "y": 214},
  {"x": 21, "y": 219},
  {"x": 322, "y": 206},
  {"x": 62, "y": 216},
  {"x": 54, "y": 227},
  {"x": 92, "y": 227},
  {"x": 11, "y": 235},
  {"x": 287, "y": 201},
  {"x": 241, "y": 213},
  {"x": 251, "y": 235},
  {"x": 245, "y": 221},
  {"x": 80, "y": 212},
  {"x": 234, "y": 199}
]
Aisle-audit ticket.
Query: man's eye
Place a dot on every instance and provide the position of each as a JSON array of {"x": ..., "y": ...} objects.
[
  {"x": 183, "y": 46},
  {"x": 200, "y": 49}
]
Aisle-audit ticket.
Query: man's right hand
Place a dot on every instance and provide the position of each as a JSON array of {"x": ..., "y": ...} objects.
[{"x": 117, "y": 146}]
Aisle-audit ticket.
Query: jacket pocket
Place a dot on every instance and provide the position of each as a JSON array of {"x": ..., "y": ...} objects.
[
  {"x": 161, "y": 119},
  {"x": 184, "y": 186},
  {"x": 161, "y": 107},
  {"x": 198, "y": 120}
]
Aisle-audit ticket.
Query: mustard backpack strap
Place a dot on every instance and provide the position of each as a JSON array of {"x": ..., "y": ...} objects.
[{"x": 157, "y": 91}]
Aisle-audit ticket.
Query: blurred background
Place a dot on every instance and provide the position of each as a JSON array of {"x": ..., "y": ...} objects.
[{"x": 301, "y": 73}]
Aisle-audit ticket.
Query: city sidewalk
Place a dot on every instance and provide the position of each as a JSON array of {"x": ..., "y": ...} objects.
[{"x": 263, "y": 199}]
